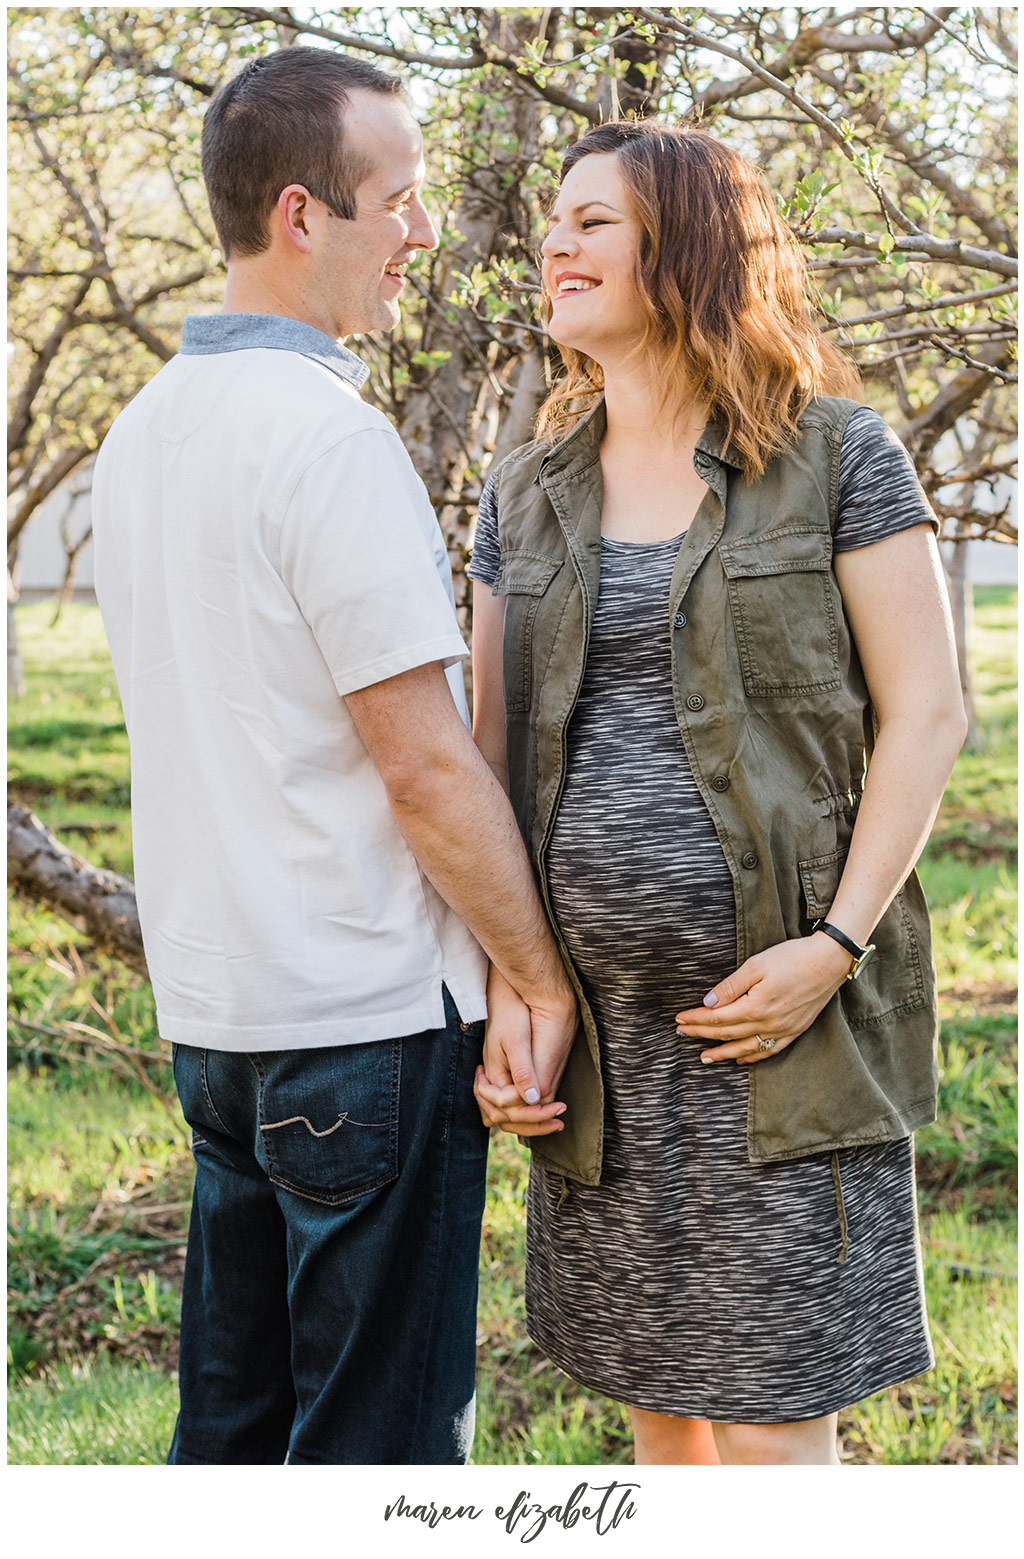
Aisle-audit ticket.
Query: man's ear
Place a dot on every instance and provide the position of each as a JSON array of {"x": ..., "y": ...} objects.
[{"x": 293, "y": 212}]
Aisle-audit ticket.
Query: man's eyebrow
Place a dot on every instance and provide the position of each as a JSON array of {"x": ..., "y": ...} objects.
[{"x": 407, "y": 189}]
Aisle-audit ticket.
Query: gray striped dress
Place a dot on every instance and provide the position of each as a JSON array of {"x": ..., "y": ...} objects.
[{"x": 691, "y": 1281}]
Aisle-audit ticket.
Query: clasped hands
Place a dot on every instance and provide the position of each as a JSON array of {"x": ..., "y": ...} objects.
[
  {"x": 776, "y": 995},
  {"x": 525, "y": 1051}
]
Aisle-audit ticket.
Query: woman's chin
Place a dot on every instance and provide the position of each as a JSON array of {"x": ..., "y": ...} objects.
[{"x": 562, "y": 334}]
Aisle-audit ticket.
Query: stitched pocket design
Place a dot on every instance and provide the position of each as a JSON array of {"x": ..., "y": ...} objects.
[{"x": 328, "y": 1118}]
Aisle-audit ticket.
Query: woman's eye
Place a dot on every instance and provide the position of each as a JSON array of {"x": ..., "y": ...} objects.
[{"x": 592, "y": 222}]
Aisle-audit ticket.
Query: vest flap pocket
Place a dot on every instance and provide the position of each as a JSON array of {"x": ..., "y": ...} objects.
[
  {"x": 786, "y": 552},
  {"x": 893, "y": 981},
  {"x": 524, "y": 573},
  {"x": 783, "y": 602},
  {"x": 820, "y": 880}
]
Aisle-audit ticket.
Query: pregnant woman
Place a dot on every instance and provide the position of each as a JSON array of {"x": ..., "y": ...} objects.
[{"x": 705, "y": 598}]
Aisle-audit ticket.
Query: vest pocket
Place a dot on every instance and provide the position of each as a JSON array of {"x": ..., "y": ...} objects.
[
  {"x": 892, "y": 981},
  {"x": 782, "y": 600},
  {"x": 522, "y": 578}
]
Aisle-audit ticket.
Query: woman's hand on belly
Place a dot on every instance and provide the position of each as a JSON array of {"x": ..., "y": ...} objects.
[
  {"x": 524, "y": 1057},
  {"x": 775, "y": 996}
]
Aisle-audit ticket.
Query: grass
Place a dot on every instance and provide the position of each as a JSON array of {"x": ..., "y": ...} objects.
[
  {"x": 96, "y": 1411},
  {"x": 99, "y": 1171}
]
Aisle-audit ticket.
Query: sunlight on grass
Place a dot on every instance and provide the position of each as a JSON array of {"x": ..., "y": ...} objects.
[{"x": 98, "y": 1412}]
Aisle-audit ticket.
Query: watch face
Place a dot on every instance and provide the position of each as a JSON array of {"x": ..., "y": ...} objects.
[{"x": 858, "y": 966}]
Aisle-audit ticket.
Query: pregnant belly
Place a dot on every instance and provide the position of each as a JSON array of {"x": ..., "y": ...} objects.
[{"x": 638, "y": 882}]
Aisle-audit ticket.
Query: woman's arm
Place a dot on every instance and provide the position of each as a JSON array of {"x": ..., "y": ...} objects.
[
  {"x": 898, "y": 611},
  {"x": 488, "y": 694}
]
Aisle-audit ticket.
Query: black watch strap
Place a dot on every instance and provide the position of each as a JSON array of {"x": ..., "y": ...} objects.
[{"x": 840, "y": 936}]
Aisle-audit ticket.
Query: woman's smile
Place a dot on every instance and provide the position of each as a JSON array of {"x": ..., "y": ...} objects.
[{"x": 569, "y": 283}]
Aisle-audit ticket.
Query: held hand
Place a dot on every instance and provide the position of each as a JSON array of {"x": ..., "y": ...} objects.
[
  {"x": 525, "y": 1050},
  {"x": 776, "y": 995}
]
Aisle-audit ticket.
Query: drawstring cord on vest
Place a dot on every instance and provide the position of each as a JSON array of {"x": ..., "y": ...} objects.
[
  {"x": 844, "y": 1230},
  {"x": 564, "y": 1194}
]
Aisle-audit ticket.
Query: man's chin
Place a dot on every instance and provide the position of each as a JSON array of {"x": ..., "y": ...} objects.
[
  {"x": 386, "y": 314},
  {"x": 391, "y": 314}
]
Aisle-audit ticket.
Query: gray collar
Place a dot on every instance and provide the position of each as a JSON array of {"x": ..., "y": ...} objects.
[{"x": 205, "y": 334}]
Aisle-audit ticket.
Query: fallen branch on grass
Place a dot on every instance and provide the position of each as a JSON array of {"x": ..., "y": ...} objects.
[{"x": 99, "y": 903}]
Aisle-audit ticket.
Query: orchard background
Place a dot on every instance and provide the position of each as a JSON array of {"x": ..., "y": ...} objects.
[{"x": 888, "y": 136}]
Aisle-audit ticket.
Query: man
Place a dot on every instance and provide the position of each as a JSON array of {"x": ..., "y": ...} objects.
[{"x": 314, "y": 830}]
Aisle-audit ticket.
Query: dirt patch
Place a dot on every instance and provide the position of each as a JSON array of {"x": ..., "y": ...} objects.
[{"x": 983, "y": 998}]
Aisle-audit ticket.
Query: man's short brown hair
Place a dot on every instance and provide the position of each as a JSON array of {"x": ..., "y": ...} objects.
[{"x": 280, "y": 121}]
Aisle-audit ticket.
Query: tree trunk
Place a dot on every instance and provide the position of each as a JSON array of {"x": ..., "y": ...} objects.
[
  {"x": 516, "y": 426},
  {"x": 15, "y": 669},
  {"x": 97, "y": 902},
  {"x": 442, "y": 414},
  {"x": 961, "y": 602}
]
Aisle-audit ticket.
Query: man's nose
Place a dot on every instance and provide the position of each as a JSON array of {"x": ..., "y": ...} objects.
[{"x": 422, "y": 232}]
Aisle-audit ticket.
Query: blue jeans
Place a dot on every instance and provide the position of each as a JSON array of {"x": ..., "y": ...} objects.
[{"x": 329, "y": 1305}]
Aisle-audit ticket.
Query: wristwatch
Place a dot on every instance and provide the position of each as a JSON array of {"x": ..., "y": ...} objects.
[{"x": 860, "y": 955}]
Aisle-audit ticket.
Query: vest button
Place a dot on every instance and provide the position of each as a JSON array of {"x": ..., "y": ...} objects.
[
  {"x": 695, "y": 701},
  {"x": 679, "y": 620},
  {"x": 749, "y": 861},
  {"x": 719, "y": 782}
]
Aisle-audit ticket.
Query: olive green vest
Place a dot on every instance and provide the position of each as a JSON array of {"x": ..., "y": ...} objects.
[{"x": 775, "y": 718}]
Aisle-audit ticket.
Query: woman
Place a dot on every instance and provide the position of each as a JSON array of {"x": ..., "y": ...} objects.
[{"x": 704, "y": 595}]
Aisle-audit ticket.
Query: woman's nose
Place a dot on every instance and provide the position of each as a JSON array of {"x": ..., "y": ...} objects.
[{"x": 556, "y": 242}]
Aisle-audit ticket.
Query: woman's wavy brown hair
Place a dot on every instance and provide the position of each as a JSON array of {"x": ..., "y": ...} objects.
[{"x": 723, "y": 284}]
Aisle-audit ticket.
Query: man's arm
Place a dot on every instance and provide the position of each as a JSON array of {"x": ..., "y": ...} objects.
[{"x": 461, "y": 828}]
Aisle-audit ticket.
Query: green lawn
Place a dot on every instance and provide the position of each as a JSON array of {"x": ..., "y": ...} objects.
[{"x": 99, "y": 1170}]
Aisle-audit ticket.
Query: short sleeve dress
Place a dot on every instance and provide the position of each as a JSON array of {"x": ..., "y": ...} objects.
[{"x": 691, "y": 1281}]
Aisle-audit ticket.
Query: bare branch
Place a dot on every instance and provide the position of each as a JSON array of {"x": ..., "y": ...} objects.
[
  {"x": 950, "y": 249},
  {"x": 973, "y": 362},
  {"x": 483, "y": 54},
  {"x": 21, "y": 418},
  {"x": 702, "y": 41},
  {"x": 100, "y": 903},
  {"x": 922, "y": 432},
  {"x": 51, "y": 480},
  {"x": 901, "y": 311}
]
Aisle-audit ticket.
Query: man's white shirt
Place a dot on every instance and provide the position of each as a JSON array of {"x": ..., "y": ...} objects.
[{"x": 263, "y": 547}]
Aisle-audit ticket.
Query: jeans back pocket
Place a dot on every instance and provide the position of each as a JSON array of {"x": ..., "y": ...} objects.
[{"x": 328, "y": 1118}]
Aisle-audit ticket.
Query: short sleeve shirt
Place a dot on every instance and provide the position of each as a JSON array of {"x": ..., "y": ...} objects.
[{"x": 264, "y": 547}]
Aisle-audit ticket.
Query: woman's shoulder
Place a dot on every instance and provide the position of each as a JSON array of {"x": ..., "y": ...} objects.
[{"x": 832, "y": 412}]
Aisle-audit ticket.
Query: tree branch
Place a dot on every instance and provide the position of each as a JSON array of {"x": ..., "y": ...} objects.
[
  {"x": 97, "y": 902},
  {"x": 699, "y": 40},
  {"x": 950, "y": 249},
  {"x": 920, "y": 162},
  {"x": 922, "y": 432},
  {"x": 973, "y": 362},
  {"x": 41, "y": 490},
  {"x": 902, "y": 310},
  {"x": 21, "y": 417},
  {"x": 483, "y": 54}
]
